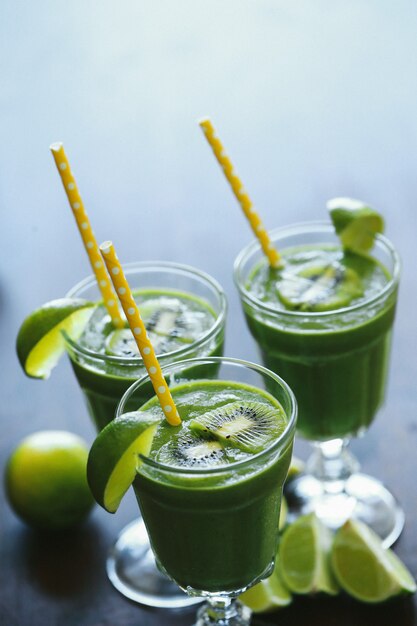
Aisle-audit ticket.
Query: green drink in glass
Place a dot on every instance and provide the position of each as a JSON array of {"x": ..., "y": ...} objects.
[
  {"x": 184, "y": 310},
  {"x": 324, "y": 322},
  {"x": 210, "y": 489}
]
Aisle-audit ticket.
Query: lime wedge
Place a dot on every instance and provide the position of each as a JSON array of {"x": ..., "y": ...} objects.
[
  {"x": 304, "y": 557},
  {"x": 356, "y": 223},
  {"x": 283, "y": 514},
  {"x": 364, "y": 569},
  {"x": 114, "y": 456},
  {"x": 267, "y": 595},
  {"x": 296, "y": 467},
  {"x": 40, "y": 343}
]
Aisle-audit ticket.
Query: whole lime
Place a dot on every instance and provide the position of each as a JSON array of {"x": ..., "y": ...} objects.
[{"x": 46, "y": 482}]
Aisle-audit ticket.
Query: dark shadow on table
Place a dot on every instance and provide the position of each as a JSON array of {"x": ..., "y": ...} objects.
[
  {"x": 65, "y": 563},
  {"x": 340, "y": 611}
]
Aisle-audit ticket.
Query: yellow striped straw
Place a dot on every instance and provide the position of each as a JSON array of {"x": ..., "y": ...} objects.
[
  {"x": 241, "y": 194},
  {"x": 86, "y": 232},
  {"x": 139, "y": 333}
]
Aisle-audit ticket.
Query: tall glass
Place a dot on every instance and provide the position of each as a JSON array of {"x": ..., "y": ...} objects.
[
  {"x": 336, "y": 362},
  {"x": 104, "y": 379},
  {"x": 214, "y": 530}
]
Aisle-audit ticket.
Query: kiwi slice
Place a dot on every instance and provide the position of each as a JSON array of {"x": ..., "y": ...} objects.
[
  {"x": 168, "y": 323},
  {"x": 189, "y": 450},
  {"x": 168, "y": 317},
  {"x": 121, "y": 342},
  {"x": 249, "y": 426},
  {"x": 319, "y": 287},
  {"x": 163, "y": 321}
]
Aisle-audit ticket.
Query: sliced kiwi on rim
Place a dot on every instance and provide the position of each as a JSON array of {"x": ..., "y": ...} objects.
[
  {"x": 319, "y": 287},
  {"x": 249, "y": 426},
  {"x": 189, "y": 450}
]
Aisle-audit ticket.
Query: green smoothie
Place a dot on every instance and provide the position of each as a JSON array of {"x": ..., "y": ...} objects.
[
  {"x": 211, "y": 504},
  {"x": 106, "y": 360},
  {"x": 321, "y": 323}
]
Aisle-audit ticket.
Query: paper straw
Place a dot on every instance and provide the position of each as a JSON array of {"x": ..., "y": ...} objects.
[
  {"x": 241, "y": 194},
  {"x": 86, "y": 232},
  {"x": 139, "y": 333}
]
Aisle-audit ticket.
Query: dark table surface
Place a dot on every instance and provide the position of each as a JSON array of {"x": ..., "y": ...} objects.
[{"x": 312, "y": 99}]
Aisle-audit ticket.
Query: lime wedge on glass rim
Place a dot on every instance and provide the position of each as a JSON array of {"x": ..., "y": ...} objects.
[
  {"x": 40, "y": 343},
  {"x": 355, "y": 223},
  {"x": 114, "y": 456},
  {"x": 364, "y": 569},
  {"x": 303, "y": 558}
]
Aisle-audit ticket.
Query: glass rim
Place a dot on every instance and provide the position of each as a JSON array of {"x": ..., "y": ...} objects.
[
  {"x": 156, "y": 265},
  {"x": 219, "y": 469},
  {"x": 311, "y": 227}
]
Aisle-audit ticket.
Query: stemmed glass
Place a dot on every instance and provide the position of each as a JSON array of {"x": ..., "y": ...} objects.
[
  {"x": 104, "y": 379},
  {"x": 336, "y": 362},
  {"x": 214, "y": 531}
]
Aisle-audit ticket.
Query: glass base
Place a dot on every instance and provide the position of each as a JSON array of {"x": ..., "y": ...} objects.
[
  {"x": 362, "y": 497},
  {"x": 233, "y": 614},
  {"x": 131, "y": 568}
]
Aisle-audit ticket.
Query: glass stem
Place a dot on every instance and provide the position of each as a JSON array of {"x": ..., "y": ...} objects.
[
  {"x": 223, "y": 611},
  {"x": 331, "y": 463}
]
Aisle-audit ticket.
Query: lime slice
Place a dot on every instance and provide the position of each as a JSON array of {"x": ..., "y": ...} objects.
[
  {"x": 114, "y": 456},
  {"x": 296, "y": 468},
  {"x": 267, "y": 595},
  {"x": 364, "y": 568},
  {"x": 40, "y": 343},
  {"x": 283, "y": 514},
  {"x": 304, "y": 557},
  {"x": 355, "y": 223},
  {"x": 45, "y": 480}
]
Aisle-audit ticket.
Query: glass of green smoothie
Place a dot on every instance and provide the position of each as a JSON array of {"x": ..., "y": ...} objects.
[
  {"x": 210, "y": 489},
  {"x": 323, "y": 321},
  {"x": 184, "y": 311}
]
